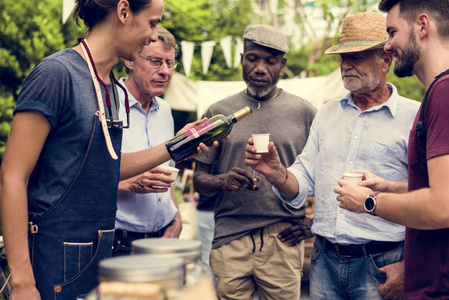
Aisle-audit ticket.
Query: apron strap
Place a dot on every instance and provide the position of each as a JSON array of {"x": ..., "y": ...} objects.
[{"x": 101, "y": 113}]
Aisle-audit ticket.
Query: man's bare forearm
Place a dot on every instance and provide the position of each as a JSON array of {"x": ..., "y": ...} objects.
[{"x": 208, "y": 184}]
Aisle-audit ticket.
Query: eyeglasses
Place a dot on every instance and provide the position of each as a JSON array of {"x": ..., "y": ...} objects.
[{"x": 157, "y": 63}]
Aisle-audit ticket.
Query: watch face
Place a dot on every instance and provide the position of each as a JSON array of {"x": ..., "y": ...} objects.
[{"x": 369, "y": 204}]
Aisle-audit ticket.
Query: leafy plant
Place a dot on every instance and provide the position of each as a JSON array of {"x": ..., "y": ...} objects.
[{"x": 29, "y": 31}]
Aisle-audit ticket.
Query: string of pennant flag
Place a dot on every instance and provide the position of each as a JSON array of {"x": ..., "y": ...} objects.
[
  {"x": 207, "y": 49},
  {"x": 187, "y": 47}
]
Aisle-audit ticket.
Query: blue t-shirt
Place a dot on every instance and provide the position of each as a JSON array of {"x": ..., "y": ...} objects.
[{"x": 61, "y": 88}]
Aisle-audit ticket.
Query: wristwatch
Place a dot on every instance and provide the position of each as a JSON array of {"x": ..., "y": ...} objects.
[{"x": 370, "y": 204}]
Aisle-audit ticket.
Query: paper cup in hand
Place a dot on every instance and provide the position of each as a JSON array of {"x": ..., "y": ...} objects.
[
  {"x": 174, "y": 172},
  {"x": 353, "y": 177},
  {"x": 261, "y": 142}
]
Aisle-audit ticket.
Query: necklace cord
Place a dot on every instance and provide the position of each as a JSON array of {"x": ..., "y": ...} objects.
[
  {"x": 278, "y": 92},
  {"x": 108, "y": 98},
  {"x": 106, "y": 90}
]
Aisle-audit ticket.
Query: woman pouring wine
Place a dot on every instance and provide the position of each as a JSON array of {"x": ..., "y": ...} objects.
[{"x": 62, "y": 162}]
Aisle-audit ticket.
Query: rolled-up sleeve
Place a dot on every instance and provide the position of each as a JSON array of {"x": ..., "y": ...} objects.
[{"x": 304, "y": 171}]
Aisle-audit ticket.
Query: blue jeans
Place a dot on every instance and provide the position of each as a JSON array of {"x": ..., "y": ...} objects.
[
  {"x": 205, "y": 232},
  {"x": 334, "y": 277}
]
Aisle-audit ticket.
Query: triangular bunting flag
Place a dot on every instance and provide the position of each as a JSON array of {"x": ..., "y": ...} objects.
[
  {"x": 67, "y": 8},
  {"x": 206, "y": 54},
  {"x": 238, "y": 51},
  {"x": 225, "y": 44},
  {"x": 187, "y": 55}
]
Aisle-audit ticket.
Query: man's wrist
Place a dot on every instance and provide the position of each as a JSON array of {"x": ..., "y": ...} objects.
[
  {"x": 220, "y": 181},
  {"x": 124, "y": 187},
  {"x": 283, "y": 176},
  {"x": 279, "y": 177}
]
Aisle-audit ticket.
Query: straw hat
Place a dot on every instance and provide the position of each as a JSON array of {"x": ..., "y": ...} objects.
[{"x": 361, "y": 32}]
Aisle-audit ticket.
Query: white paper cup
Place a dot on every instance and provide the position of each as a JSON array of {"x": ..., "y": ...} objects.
[
  {"x": 353, "y": 177},
  {"x": 261, "y": 141},
  {"x": 174, "y": 172}
]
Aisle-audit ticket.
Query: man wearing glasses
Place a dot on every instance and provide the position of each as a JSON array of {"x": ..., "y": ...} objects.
[{"x": 146, "y": 203}]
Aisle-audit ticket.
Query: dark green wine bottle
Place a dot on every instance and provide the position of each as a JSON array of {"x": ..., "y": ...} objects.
[{"x": 213, "y": 129}]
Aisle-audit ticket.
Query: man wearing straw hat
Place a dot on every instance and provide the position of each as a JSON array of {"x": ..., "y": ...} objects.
[
  {"x": 355, "y": 256},
  {"x": 419, "y": 41}
]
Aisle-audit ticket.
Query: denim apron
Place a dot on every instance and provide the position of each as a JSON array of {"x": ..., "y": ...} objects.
[{"x": 69, "y": 239}]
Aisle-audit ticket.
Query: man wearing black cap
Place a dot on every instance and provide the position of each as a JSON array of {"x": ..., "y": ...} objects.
[
  {"x": 355, "y": 256},
  {"x": 248, "y": 256}
]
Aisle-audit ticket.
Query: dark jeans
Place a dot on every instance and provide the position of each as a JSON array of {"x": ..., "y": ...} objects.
[{"x": 123, "y": 240}]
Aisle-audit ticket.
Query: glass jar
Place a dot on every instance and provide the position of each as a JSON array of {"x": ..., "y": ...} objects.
[
  {"x": 140, "y": 277},
  {"x": 188, "y": 250}
]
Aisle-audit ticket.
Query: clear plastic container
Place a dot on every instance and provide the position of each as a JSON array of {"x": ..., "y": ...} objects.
[
  {"x": 188, "y": 250},
  {"x": 138, "y": 277}
]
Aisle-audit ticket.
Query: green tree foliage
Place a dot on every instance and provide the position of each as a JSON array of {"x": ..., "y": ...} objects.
[
  {"x": 6, "y": 107},
  {"x": 29, "y": 31},
  {"x": 409, "y": 87},
  {"x": 208, "y": 20}
]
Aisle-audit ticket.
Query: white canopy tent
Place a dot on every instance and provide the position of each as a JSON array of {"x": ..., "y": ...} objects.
[{"x": 187, "y": 95}]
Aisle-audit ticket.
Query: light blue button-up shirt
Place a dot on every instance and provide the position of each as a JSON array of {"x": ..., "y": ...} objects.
[
  {"x": 342, "y": 138},
  {"x": 153, "y": 211}
]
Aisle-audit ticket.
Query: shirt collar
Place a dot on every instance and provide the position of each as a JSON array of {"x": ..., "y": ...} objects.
[
  {"x": 154, "y": 106},
  {"x": 391, "y": 104}
]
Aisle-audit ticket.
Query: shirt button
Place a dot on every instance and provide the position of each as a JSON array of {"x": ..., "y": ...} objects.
[
  {"x": 356, "y": 137},
  {"x": 351, "y": 163},
  {"x": 160, "y": 199}
]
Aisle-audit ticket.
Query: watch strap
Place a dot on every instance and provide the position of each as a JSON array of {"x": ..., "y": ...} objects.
[{"x": 371, "y": 211}]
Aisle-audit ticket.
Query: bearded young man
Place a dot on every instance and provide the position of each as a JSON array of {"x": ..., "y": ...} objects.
[{"x": 247, "y": 255}]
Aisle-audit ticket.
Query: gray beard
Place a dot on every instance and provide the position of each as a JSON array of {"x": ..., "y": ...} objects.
[{"x": 259, "y": 94}]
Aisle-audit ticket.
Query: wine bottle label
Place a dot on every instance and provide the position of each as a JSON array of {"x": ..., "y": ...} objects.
[{"x": 200, "y": 129}]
